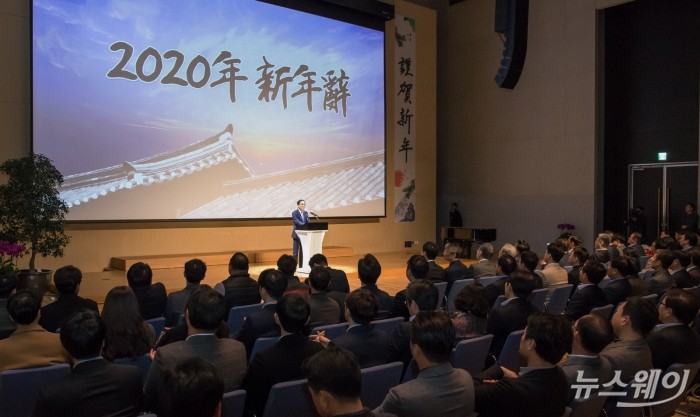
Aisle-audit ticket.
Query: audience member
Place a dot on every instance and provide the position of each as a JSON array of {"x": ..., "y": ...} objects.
[
  {"x": 673, "y": 341},
  {"x": 602, "y": 254},
  {"x": 528, "y": 263},
  {"x": 521, "y": 246},
  {"x": 439, "y": 389},
  {"x": 508, "y": 249},
  {"x": 660, "y": 279},
  {"x": 473, "y": 310},
  {"x": 67, "y": 280},
  {"x": 339, "y": 280},
  {"x": 416, "y": 268},
  {"x": 287, "y": 264},
  {"x": 421, "y": 295},
  {"x": 127, "y": 335},
  {"x": 30, "y": 345},
  {"x": 619, "y": 287},
  {"x": 369, "y": 270},
  {"x": 591, "y": 334},
  {"x": 632, "y": 321},
  {"x": 553, "y": 275},
  {"x": 282, "y": 361},
  {"x": 577, "y": 258},
  {"x": 541, "y": 389},
  {"x": 94, "y": 387},
  {"x": 680, "y": 276},
  {"x": 195, "y": 271},
  {"x": 587, "y": 295},
  {"x": 8, "y": 283},
  {"x": 239, "y": 289},
  {"x": 436, "y": 273},
  {"x": 456, "y": 269},
  {"x": 634, "y": 242},
  {"x": 262, "y": 323},
  {"x": 483, "y": 266},
  {"x": 151, "y": 297},
  {"x": 192, "y": 388},
  {"x": 204, "y": 312},
  {"x": 335, "y": 384},
  {"x": 324, "y": 309},
  {"x": 505, "y": 266},
  {"x": 513, "y": 313}
]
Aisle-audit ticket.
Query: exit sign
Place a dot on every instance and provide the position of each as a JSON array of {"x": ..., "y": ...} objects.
[{"x": 662, "y": 156}]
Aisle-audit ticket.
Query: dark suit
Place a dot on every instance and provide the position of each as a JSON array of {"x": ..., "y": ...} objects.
[
  {"x": 454, "y": 271},
  {"x": 176, "y": 304},
  {"x": 659, "y": 282},
  {"x": 400, "y": 343},
  {"x": 592, "y": 367},
  {"x": 93, "y": 388},
  {"x": 436, "y": 273},
  {"x": 152, "y": 300},
  {"x": 239, "y": 289},
  {"x": 541, "y": 392},
  {"x": 339, "y": 297},
  {"x": 618, "y": 290},
  {"x": 398, "y": 307},
  {"x": 299, "y": 218},
  {"x": 54, "y": 314},
  {"x": 574, "y": 277},
  {"x": 227, "y": 355},
  {"x": 295, "y": 286},
  {"x": 602, "y": 255},
  {"x": 673, "y": 344},
  {"x": 683, "y": 279},
  {"x": 638, "y": 249},
  {"x": 584, "y": 300},
  {"x": 324, "y": 310},
  {"x": 694, "y": 272},
  {"x": 628, "y": 356},
  {"x": 339, "y": 280},
  {"x": 178, "y": 333},
  {"x": 507, "y": 319},
  {"x": 258, "y": 324},
  {"x": 279, "y": 363},
  {"x": 369, "y": 345},
  {"x": 494, "y": 289},
  {"x": 384, "y": 300}
]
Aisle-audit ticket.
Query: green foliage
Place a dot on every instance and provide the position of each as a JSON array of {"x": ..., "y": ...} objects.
[{"x": 31, "y": 212}]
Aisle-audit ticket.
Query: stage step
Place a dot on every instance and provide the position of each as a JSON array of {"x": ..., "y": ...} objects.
[{"x": 123, "y": 263}]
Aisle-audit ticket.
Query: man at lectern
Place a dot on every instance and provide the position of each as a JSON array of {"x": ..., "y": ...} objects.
[{"x": 300, "y": 217}]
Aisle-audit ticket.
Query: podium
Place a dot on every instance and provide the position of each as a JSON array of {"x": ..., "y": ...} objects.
[{"x": 311, "y": 238}]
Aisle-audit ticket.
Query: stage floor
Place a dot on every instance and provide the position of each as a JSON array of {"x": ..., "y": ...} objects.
[{"x": 95, "y": 285}]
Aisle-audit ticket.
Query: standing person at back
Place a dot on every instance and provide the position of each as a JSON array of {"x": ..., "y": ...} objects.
[
  {"x": 67, "y": 280},
  {"x": 239, "y": 289},
  {"x": 369, "y": 269},
  {"x": 436, "y": 273},
  {"x": 151, "y": 297},
  {"x": 195, "y": 270}
]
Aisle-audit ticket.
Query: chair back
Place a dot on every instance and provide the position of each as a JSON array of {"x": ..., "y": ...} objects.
[
  {"x": 471, "y": 354},
  {"x": 232, "y": 403},
  {"x": 332, "y": 330},
  {"x": 538, "y": 297},
  {"x": 591, "y": 406},
  {"x": 559, "y": 299},
  {"x": 456, "y": 288},
  {"x": 510, "y": 356},
  {"x": 377, "y": 381},
  {"x": 695, "y": 289},
  {"x": 643, "y": 261},
  {"x": 568, "y": 268},
  {"x": 604, "y": 311},
  {"x": 262, "y": 343},
  {"x": 236, "y": 316},
  {"x": 441, "y": 287},
  {"x": 19, "y": 388},
  {"x": 158, "y": 324},
  {"x": 142, "y": 362},
  {"x": 489, "y": 280},
  {"x": 612, "y": 410},
  {"x": 672, "y": 397},
  {"x": 290, "y": 398},
  {"x": 604, "y": 282},
  {"x": 652, "y": 298},
  {"x": 387, "y": 325},
  {"x": 499, "y": 300},
  {"x": 411, "y": 371}
]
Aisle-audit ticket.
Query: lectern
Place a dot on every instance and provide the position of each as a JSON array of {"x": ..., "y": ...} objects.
[{"x": 311, "y": 237}]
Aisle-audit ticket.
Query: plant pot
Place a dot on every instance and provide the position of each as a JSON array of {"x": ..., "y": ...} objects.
[{"x": 37, "y": 281}]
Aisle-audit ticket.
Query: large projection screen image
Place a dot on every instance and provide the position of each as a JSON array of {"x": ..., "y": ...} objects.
[{"x": 181, "y": 109}]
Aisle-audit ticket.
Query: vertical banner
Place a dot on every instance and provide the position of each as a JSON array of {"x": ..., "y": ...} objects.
[{"x": 405, "y": 124}]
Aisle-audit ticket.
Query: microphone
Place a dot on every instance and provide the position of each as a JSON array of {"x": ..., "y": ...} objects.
[{"x": 314, "y": 214}]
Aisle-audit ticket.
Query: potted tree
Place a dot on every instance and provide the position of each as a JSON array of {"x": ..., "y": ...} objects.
[{"x": 32, "y": 214}]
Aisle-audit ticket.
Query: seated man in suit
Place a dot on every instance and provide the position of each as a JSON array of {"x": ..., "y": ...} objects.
[
  {"x": 416, "y": 268},
  {"x": 287, "y": 264},
  {"x": 577, "y": 258},
  {"x": 239, "y": 289},
  {"x": 369, "y": 345},
  {"x": 483, "y": 267},
  {"x": 692, "y": 268},
  {"x": 456, "y": 269},
  {"x": 673, "y": 341},
  {"x": 421, "y": 295},
  {"x": 513, "y": 313},
  {"x": 660, "y": 279},
  {"x": 368, "y": 270},
  {"x": 634, "y": 242},
  {"x": 528, "y": 263},
  {"x": 324, "y": 309},
  {"x": 262, "y": 323},
  {"x": 619, "y": 287},
  {"x": 506, "y": 265},
  {"x": 541, "y": 389},
  {"x": 678, "y": 270},
  {"x": 632, "y": 321},
  {"x": 602, "y": 242},
  {"x": 67, "y": 280},
  {"x": 94, "y": 387},
  {"x": 30, "y": 345},
  {"x": 193, "y": 388},
  {"x": 436, "y": 273},
  {"x": 8, "y": 282},
  {"x": 587, "y": 295},
  {"x": 204, "y": 312},
  {"x": 591, "y": 334},
  {"x": 553, "y": 275},
  {"x": 282, "y": 361},
  {"x": 339, "y": 280},
  {"x": 151, "y": 297},
  {"x": 195, "y": 270},
  {"x": 439, "y": 389},
  {"x": 688, "y": 239}
]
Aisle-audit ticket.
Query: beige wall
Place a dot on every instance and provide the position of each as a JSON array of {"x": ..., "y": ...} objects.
[
  {"x": 521, "y": 160},
  {"x": 93, "y": 245}
]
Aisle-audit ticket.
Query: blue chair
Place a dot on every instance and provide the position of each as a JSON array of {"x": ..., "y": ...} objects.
[
  {"x": 489, "y": 280},
  {"x": 668, "y": 408},
  {"x": 652, "y": 298},
  {"x": 19, "y": 388},
  {"x": 411, "y": 371},
  {"x": 499, "y": 300},
  {"x": 441, "y": 287},
  {"x": 236, "y": 316},
  {"x": 142, "y": 362},
  {"x": 604, "y": 311},
  {"x": 158, "y": 324},
  {"x": 377, "y": 381},
  {"x": 471, "y": 354},
  {"x": 538, "y": 297},
  {"x": 643, "y": 261},
  {"x": 591, "y": 406},
  {"x": 387, "y": 325},
  {"x": 290, "y": 398},
  {"x": 559, "y": 299},
  {"x": 332, "y": 330},
  {"x": 232, "y": 404},
  {"x": 510, "y": 355},
  {"x": 262, "y": 343},
  {"x": 456, "y": 288}
]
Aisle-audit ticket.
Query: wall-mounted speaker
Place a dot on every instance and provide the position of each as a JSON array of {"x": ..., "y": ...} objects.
[{"x": 511, "y": 20}]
